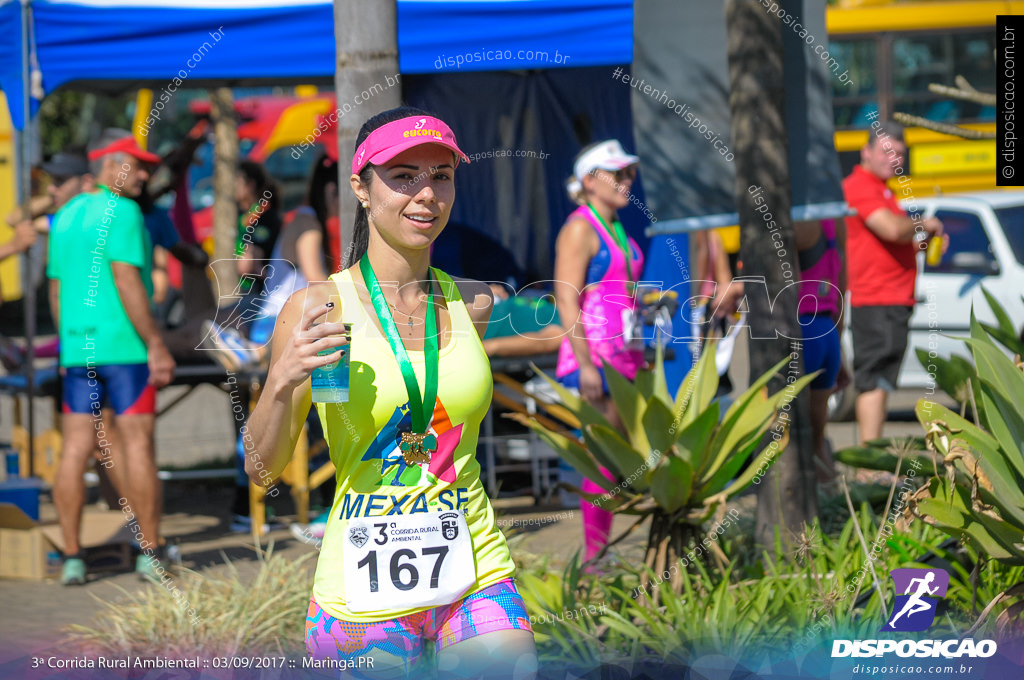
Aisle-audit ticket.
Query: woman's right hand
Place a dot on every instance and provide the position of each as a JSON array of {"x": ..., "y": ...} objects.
[
  {"x": 591, "y": 385},
  {"x": 300, "y": 358}
]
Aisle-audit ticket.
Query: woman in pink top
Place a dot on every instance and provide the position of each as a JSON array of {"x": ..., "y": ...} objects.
[
  {"x": 597, "y": 266},
  {"x": 820, "y": 253}
]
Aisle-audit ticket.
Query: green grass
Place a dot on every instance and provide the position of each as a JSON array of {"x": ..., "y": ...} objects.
[
  {"x": 759, "y": 606},
  {"x": 237, "y": 616}
]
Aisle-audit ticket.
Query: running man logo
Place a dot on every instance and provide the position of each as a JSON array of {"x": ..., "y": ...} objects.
[
  {"x": 914, "y": 609},
  {"x": 421, "y": 123}
]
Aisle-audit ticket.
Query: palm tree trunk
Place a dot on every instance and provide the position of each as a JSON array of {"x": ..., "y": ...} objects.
[
  {"x": 366, "y": 43},
  {"x": 787, "y": 497}
]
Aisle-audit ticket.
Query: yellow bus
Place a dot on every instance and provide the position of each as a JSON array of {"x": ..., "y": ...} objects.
[{"x": 893, "y": 50}]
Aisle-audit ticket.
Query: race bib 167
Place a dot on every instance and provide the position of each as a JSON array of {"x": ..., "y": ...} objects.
[{"x": 407, "y": 561}]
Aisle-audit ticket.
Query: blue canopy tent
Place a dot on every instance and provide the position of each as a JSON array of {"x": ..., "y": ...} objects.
[
  {"x": 134, "y": 42},
  {"x": 519, "y": 74},
  {"x": 120, "y": 45}
]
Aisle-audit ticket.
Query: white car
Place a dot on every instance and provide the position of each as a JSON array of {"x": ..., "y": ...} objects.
[{"x": 986, "y": 248}]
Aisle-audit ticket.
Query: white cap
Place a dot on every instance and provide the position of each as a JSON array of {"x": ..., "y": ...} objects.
[{"x": 606, "y": 155}]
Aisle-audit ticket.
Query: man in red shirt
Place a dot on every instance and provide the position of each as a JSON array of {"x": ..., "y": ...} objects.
[{"x": 882, "y": 268}]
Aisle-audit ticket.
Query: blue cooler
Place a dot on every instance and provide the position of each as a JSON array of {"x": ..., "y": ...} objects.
[{"x": 23, "y": 493}]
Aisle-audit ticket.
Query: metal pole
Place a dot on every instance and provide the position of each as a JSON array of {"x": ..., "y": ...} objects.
[{"x": 25, "y": 196}]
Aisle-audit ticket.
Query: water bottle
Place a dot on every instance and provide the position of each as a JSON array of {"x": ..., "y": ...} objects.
[{"x": 330, "y": 383}]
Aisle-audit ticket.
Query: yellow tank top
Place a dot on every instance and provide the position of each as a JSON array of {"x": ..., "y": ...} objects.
[{"x": 363, "y": 435}]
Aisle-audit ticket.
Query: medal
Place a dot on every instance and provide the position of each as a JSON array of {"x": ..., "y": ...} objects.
[{"x": 416, "y": 446}]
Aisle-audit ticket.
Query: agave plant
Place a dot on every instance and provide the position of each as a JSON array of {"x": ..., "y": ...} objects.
[
  {"x": 980, "y": 498},
  {"x": 1005, "y": 333},
  {"x": 976, "y": 493},
  {"x": 955, "y": 375},
  {"x": 676, "y": 460}
]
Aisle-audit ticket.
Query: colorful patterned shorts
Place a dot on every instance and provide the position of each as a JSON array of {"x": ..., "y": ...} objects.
[{"x": 497, "y": 607}]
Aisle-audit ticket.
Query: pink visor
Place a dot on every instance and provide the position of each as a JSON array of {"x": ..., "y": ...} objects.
[{"x": 389, "y": 140}]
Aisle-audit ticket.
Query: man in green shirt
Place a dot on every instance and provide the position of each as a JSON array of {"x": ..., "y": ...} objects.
[{"x": 111, "y": 351}]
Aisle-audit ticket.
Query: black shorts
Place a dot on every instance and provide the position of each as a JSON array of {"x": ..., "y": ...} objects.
[{"x": 879, "y": 342}]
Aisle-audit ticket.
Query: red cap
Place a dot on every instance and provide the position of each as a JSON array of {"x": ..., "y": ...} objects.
[{"x": 126, "y": 145}]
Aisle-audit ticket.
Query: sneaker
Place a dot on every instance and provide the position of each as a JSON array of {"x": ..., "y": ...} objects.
[
  {"x": 73, "y": 572},
  {"x": 312, "y": 533},
  {"x": 174, "y": 555},
  {"x": 307, "y": 533},
  {"x": 229, "y": 348},
  {"x": 242, "y": 524},
  {"x": 145, "y": 567}
]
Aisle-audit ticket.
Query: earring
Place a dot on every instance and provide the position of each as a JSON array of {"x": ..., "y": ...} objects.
[{"x": 365, "y": 204}]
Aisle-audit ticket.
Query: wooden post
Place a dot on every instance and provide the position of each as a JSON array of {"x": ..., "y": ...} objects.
[{"x": 225, "y": 169}]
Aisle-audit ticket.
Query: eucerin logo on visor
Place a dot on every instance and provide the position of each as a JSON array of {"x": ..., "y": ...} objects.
[
  {"x": 423, "y": 133},
  {"x": 917, "y": 596}
]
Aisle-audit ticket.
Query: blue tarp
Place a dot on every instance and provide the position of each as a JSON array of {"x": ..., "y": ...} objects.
[
  {"x": 151, "y": 43},
  {"x": 11, "y": 58},
  {"x": 444, "y": 35}
]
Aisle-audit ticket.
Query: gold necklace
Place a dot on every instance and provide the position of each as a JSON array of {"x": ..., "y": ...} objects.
[{"x": 408, "y": 315}]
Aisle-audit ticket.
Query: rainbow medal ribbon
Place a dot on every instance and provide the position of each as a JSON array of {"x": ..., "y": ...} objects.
[
  {"x": 418, "y": 445},
  {"x": 632, "y": 327},
  {"x": 619, "y": 237}
]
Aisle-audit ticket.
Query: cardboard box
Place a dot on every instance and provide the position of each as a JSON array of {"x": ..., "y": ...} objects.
[{"x": 32, "y": 551}]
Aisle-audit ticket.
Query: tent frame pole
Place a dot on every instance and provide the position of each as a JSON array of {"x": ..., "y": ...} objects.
[{"x": 24, "y": 174}]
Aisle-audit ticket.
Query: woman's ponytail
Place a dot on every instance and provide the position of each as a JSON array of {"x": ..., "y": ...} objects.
[{"x": 360, "y": 231}]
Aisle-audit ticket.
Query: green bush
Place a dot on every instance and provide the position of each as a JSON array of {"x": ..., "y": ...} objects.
[
  {"x": 780, "y": 603},
  {"x": 237, "y": 616}
]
